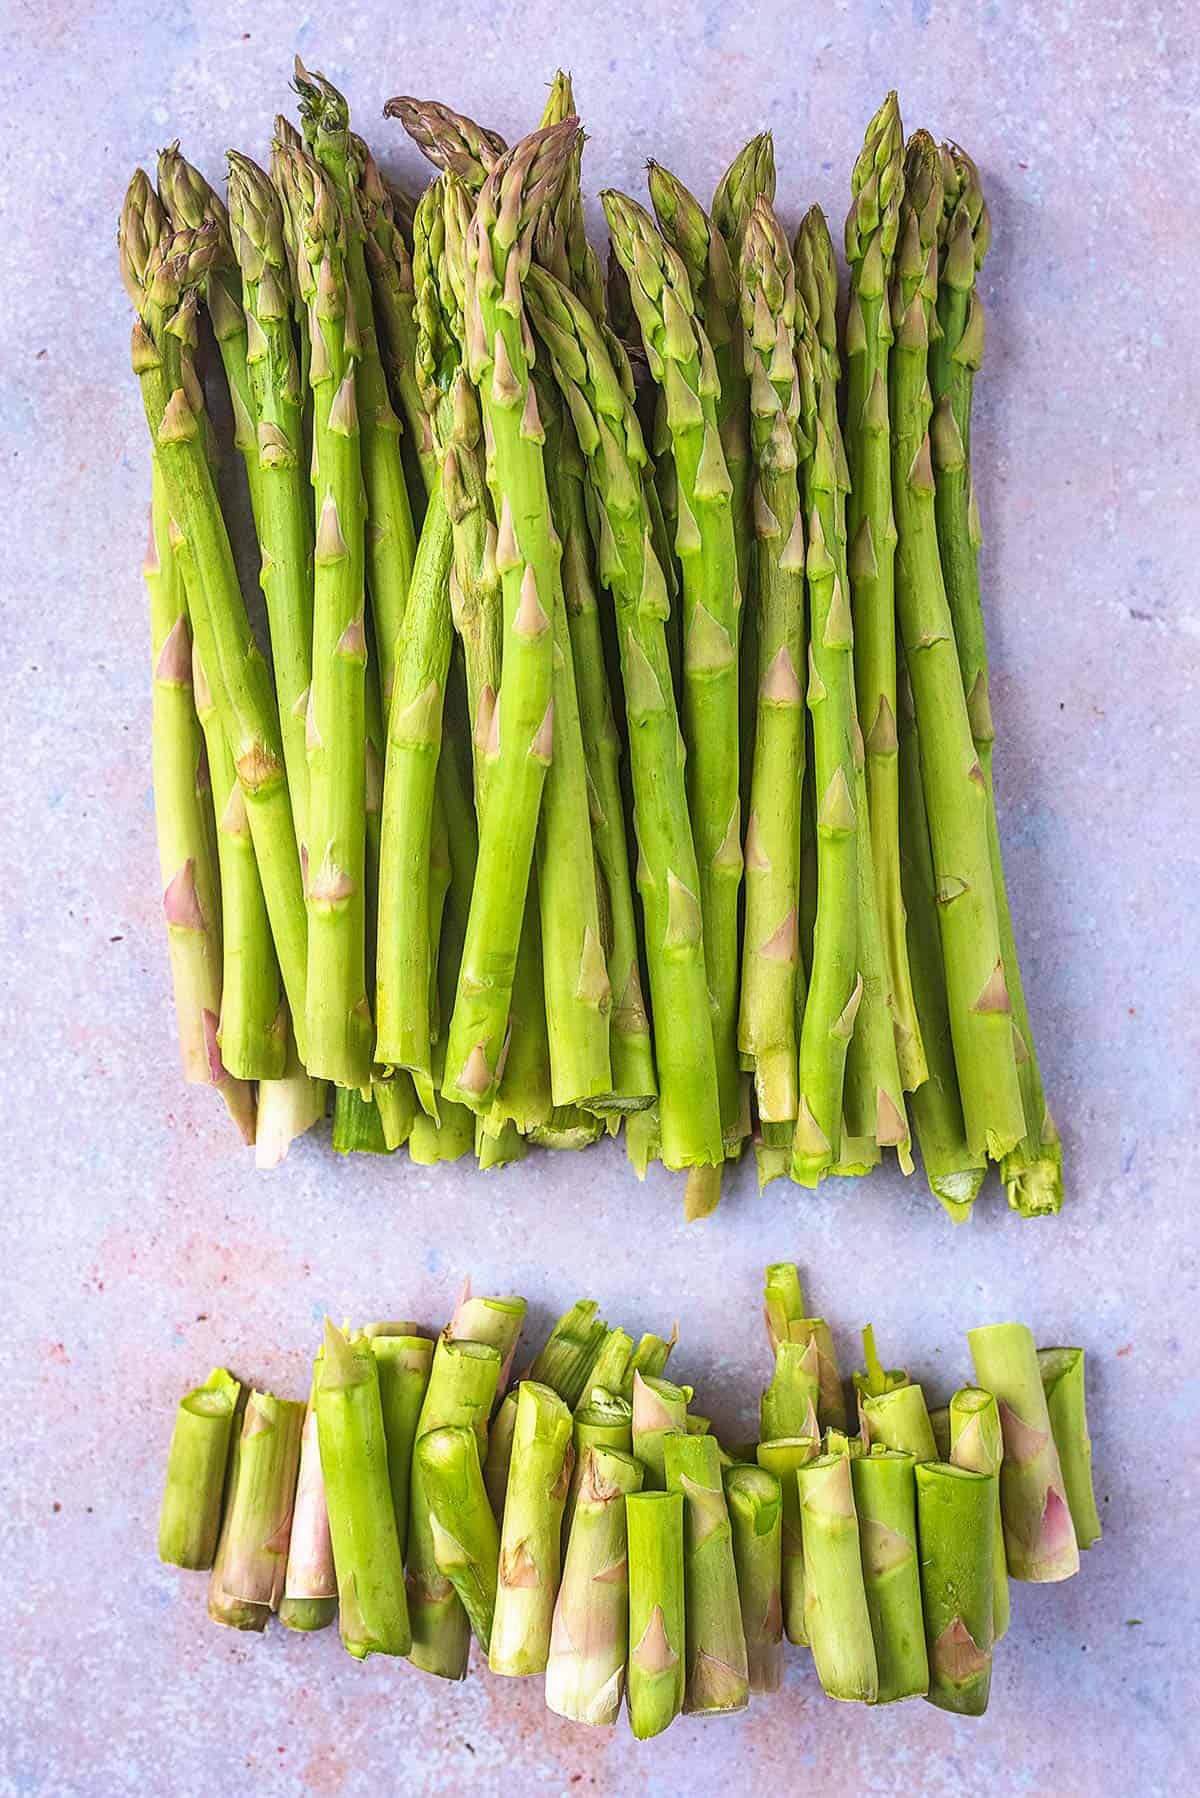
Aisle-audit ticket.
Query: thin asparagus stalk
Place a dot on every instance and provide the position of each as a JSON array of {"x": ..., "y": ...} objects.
[
  {"x": 531, "y": 1532},
  {"x": 223, "y": 1606},
  {"x": 659, "y": 1411},
  {"x": 1063, "y": 1383},
  {"x": 499, "y": 1451},
  {"x": 567, "y": 1357},
  {"x": 717, "y": 1670},
  {"x": 955, "y": 793},
  {"x": 783, "y": 1301},
  {"x": 309, "y": 1599},
  {"x": 784, "y": 1458},
  {"x": 788, "y": 1406},
  {"x": 837, "y": 1617},
  {"x": 1039, "y": 1535},
  {"x": 885, "y": 1497},
  {"x": 560, "y": 240},
  {"x": 977, "y": 1443},
  {"x": 258, "y": 1516},
  {"x": 589, "y": 1638},
  {"x": 875, "y": 1378},
  {"x": 403, "y": 1359},
  {"x": 654, "y": 1522},
  {"x": 466, "y": 1541},
  {"x": 939, "y": 1423},
  {"x": 604, "y": 1421},
  {"x": 190, "y": 1519},
  {"x": 755, "y": 1500},
  {"x": 955, "y": 1521},
  {"x": 1032, "y": 1169}
]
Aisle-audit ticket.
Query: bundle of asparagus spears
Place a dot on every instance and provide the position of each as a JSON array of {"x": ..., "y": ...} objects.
[
  {"x": 624, "y": 751},
  {"x": 586, "y": 1524}
]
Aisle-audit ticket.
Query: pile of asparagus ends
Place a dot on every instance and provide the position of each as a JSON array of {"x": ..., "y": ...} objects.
[
  {"x": 624, "y": 751},
  {"x": 586, "y": 1524}
]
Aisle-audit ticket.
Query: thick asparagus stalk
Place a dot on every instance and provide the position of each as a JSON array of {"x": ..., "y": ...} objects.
[
  {"x": 604, "y": 1421},
  {"x": 659, "y": 1410},
  {"x": 1063, "y": 1383},
  {"x": 589, "y": 1640},
  {"x": 466, "y": 1541},
  {"x": 755, "y": 1499},
  {"x": 717, "y": 1671},
  {"x": 977, "y": 1443},
  {"x": 654, "y": 1521},
  {"x": 258, "y": 1514},
  {"x": 531, "y": 1531},
  {"x": 836, "y": 1613},
  {"x": 309, "y": 1599},
  {"x": 955, "y": 1521},
  {"x": 403, "y": 1359},
  {"x": 885, "y": 1497},
  {"x": 190, "y": 1519},
  {"x": 788, "y": 1406},
  {"x": 494, "y": 1321},
  {"x": 784, "y": 1458},
  {"x": 1039, "y": 1536}
]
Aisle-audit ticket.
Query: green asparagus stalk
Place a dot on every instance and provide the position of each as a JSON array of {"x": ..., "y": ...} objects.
[
  {"x": 939, "y": 1423},
  {"x": 771, "y": 996},
  {"x": 755, "y": 1500},
  {"x": 783, "y": 1301},
  {"x": 872, "y": 226},
  {"x": 1062, "y": 1381},
  {"x": 531, "y": 1531},
  {"x": 956, "y": 797},
  {"x": 836, "y": 1613},
  {"x": 649, "y": 1358},
  {"x": 449, "y": 139},
  {"x": 605, "y": 1421},
  {"x": 287, "y": 1108},
  {"x": 447, "y": 1138},
  {"x": 258, "y": 1515},
  {"x": 1039, "y": 1535},
  {"x": 783, "y": 1311},
  {"x": 955, "y": 1522},
  {"x": 309, "y": 1599},
  {"x": 1032, "y": 1170},
  {"x": 190, "y": 1519},
  {"x": 494, "y": 1321},
  {"x": 460, "y": 1394},
  {"x": 357, "y": 1124},
  {"x": 898, "y": 1419},
  {"x": 836, "y": 1442},
  {"x": 589, "y": 1639},
  {"x": 403, "y": 1359},
  {"x": 788, "y": 1406},
  {"x": 613, "y": 1367},
  {"x": 875, "y": 1379},
  {"x": 885, "y": 1497},
  {"x": 223, "y": 1606},
  {"x": 466, "y": 1541},
  {"x": 784, "y": 1458},
  {"x": 977, "y": 1443},
  {"x": 568, "y": 1355},
  {"x": 681, "y": 360},
  {"x": 499, "y": 1451},
  {"x": 560, "y": 239},
  {"x": 717, "y": 1670},
  {"x": 659, "y": 1410},
  {"x": 654, "y": 1521},
  {"x": 499, "y": 1151}
]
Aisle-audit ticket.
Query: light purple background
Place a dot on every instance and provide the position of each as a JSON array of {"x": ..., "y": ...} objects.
[{"x": 142, "y": 1247}]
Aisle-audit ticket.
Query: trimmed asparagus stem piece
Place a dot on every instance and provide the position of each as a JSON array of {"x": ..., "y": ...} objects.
[
  {"x": 650, "y": 1358},
  {"x": 837, "y": 1617},
  {"x": 755, "y": 1500},
  {"x": 788, "y": 1406},
  {"x": 357, "y": 1125},
  {"x": 258, "y": 1516},
  {"x": 939, "y": 1423},
  {"x": 599, "y": 394},
  {"x": 885, "y": 1497},
  {"x": 498, "y": 1151},
  {"x": 605, "y": 1420},
  {"x": 613, "y": 1368},
  {"x": 287, "y": 1108},
  {"x": 654, "y": 1521},
  {"x": 589, "y": 1639},
  {"x": 643, "y": 1138},
  {"x": 1032, "y": 1170},
  {"x": 466, "y": 1541},
  {"x": 772, "y": 996},
  {"x": 659, "y": 1410},
  {"x": 499, "y": 1451},
  {"x": 977, "y": 1443},
  {"x": 783, "y": 1301},
  {"x": 872, "y": 227},
  {"x": 899, "y": 1420},
  {"x": 1039, "y": 1536},
  {"x": 1063, "y": 1383},
  {"x": 784, "y": 1459},
  {"x": 223, "y": 1607},
  {"x": 190, "y": 1519},
  {"x": 955, "y": 1172},
  {"x": 403, "y": 1359},
  {"x": 309, "y": 1599},
  {"x": 875, "y": 1379},
  {"x": 460, "y": 1394},
  {"x": 495, "y": 1321},
  {"x": 836, "y": 1442},
  {"x": 431, "y": 1143},
  {"x": 955, "y": 795},
  {"x": 956, "y": 1522},
  {"x": 567, "y": 1357},
  {"x": 367, "y": 1552},
  {"x": 717, "y": 1671},
  {"x": 531, "y": 1532}
]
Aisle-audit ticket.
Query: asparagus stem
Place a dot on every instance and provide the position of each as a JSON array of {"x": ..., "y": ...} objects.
[
  {"x": 654, "y": 1521},
  {"x": 531, "y": 1532},
  {"x": 898, "y": 1419},
  {"x": 190, "y": 1519},
  {"x": 784, "y": 1458},
  {"x": 885, "y": 1497},
  {"x": 1039, "y": 1536},
  {"x": 448, "y": 1140},
  {"x": 258, "y": 1515},
  {"x": 223, "y": 1606},
  {"x": 649, "y": 1358},
  {"x": 567, "y": 1357},
  {"x": 449, "y": 139},
  {"x": 589, "y": 1638},
  {"x": 403, "y": 1359},
  {"x": 498, "y": 1151},
  {"x": 659, "y": 1410},
  {"x": 309, "y": 1599},
  {"x": 717, "y": 1671},
  {"x": 613, "y": 1367},
  {"x": 357, "y": 1124},
  {"x": 836, "y": 1614},
  {"x": 466, "y": 1541},
  {"x": 604, "y": 1421},
  {"x": 955, "y": 1521},
  {"x": 939, "y": 1423},
  {"x": 788, "y": 1406},
  {"x": 1063, "y": 1383},
  {"x": 499, "y": 1451},
  {"x": 287, "y": 1108},
  {"x": 783, "y": 1301},
  {"x": 755, "y": 1499},
  {"x": 812, "y": 1335},
  {"x": 494, "y": 1321},
  {"x": 977, "y": 1443}
]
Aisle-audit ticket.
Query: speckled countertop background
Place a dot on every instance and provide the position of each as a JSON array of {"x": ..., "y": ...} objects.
[{"x": 140, "y": 1246}]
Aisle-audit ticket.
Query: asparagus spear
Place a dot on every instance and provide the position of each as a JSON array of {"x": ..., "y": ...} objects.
[
  {"x": 772, "y": 997},
  {"x": 955, "y": 792},
  {"x": 681, "y": 360},
  {"x": 1032, "y": 1169},
  {"x": 977, "y": 1443},
  {"x": 659, "y": 1410},
  {"x": 1039, "y": 1535},
  {"x": 449, "y": 1139},
  {"x": 955, "y": 1521},
  {"x": 717, "y": 1669},
  {"x": 749, "y": 178},
  {"x": 560, "y": 240},
  {"x": 190, "y": 1518},
  {"x": 1062, "y": 1380},
  {"x": 872, "y": 226},
  {"x": 403, "y": 1359},
  {"x": 755, "y": 1500},
  {"x": 788, "y": 1406},
  {"x": 836, "y": 1614},
  {"x": 654, "y": 1521},
  {"x": 885, "y": 1497},
  {"x": 309, "y": 1599},
  {"x": 258, "y": 1514},
  {"x": 784, "y": 1458},
  {"x": 466, "y": 1541},
  {"x": 449, "y": 139},
  {"x": 589, "y": 1638},
  {"x": 783, "y": 1300},
  {"x": 567, "y": 1357},
  {"x": 531, "y": 1531},
  {"x": 605, "y": 1421}
]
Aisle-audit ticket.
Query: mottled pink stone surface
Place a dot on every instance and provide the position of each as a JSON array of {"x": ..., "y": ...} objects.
[{"x": 140, "y": 1245}]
